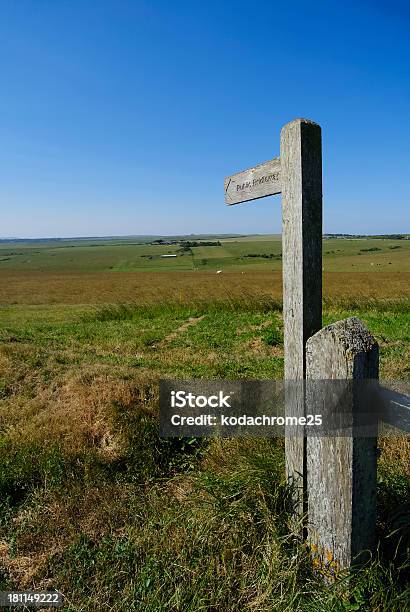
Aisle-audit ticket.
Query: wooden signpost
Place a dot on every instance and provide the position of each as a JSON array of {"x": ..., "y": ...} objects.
[
  {"x": 258, "y": 182},
  {"x": 297, "y": 175},
  {"x": 333, "y": 477}
]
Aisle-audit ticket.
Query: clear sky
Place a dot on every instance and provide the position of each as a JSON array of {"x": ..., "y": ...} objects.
[{"x": 124, "y": 116}]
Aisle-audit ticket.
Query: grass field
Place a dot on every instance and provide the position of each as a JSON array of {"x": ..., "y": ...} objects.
[
  {"x": 95, "y": 504},
  {"x": 236, "y": 254}
]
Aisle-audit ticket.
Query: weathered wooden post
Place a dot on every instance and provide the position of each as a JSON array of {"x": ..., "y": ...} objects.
[
  {"x": 333, "y": 477},
  {"x": 297, "y": 174},
  {"x": 341, "y": 471},
  {"x": 301, "y": 170}
]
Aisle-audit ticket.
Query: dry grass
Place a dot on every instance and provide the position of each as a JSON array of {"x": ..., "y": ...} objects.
[
  {"x": 75, "y": 410},
  {"x": 101, "y": 504},
  {"x": 21, "y": 287},
  {"x": 395, "y": 452},
  {"x": 55, "y": 519}
]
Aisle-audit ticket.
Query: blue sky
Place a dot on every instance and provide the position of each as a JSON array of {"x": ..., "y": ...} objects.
[{"x": 123, "y": 117}]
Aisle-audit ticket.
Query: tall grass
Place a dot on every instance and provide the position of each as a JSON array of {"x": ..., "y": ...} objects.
[
  {"x": 133, "y": 310},
  {"x": 95, "y": 504},
  {"x": 246, "y": 302},
  {"x": 214, "y": 536},
  {"x": 368, "y": 304}
]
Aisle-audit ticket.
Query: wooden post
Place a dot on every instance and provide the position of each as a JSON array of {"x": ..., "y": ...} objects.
[
  {"x": 301, "y": 178},
  {"x": 341, "y": 471}
]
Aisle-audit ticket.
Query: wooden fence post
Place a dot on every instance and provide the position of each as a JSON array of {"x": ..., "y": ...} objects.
[
  {"x": 301, "y": 176},
  {"x": 341, "y": 471}
]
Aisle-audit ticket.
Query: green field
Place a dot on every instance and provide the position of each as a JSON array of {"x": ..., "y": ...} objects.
[
  {"x": 252, "y": 252},
  {"x": 95, "y": 504}
]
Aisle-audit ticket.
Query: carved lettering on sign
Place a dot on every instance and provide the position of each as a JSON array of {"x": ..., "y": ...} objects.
[{"x": 257, "y": 182}]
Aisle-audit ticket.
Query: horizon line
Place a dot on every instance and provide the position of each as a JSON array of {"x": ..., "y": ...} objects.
[{"x": 227, "y": 234}]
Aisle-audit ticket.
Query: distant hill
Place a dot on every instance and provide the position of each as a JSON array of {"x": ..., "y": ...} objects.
[
  {"x": 148, "y": 238},
  {"x": 143, "y": 238}
]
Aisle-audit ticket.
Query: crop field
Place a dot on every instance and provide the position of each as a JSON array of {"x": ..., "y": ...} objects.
[
  {"x": 262, "y": 253},
  {"x": 95, "y": 504}
]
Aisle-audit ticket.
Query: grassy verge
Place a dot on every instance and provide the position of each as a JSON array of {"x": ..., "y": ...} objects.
[{"x": 96, "y": 504}]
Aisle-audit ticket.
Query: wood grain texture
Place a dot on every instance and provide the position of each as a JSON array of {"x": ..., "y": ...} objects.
[
  {"x": 341, "y": 471},
  {"x": 301, "y": 172},
  {"x": 257, "y": 182}
]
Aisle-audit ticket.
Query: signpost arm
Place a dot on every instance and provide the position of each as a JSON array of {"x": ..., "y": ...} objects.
[{"x": 301, "y": 178}]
